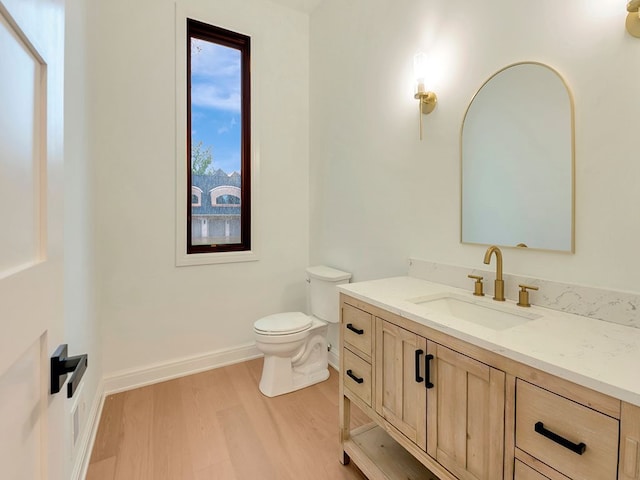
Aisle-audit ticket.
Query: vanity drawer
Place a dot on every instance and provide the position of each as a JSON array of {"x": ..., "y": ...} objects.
[
  {"x": 525, "y": 472},
  {"x": 357, "y": 376},
  {"x": 554, "y": 429},
  {"x": 357, "y": 327}
]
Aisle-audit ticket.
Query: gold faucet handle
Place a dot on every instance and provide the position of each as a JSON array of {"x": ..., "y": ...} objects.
[
  {"x": 477, "y": 287},
  {"x": 523, "y": 295}
]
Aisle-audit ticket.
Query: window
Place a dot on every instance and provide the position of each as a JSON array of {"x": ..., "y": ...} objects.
[
  {"x": 218, "y": 139},
  {"x": 227, "y": 200}
]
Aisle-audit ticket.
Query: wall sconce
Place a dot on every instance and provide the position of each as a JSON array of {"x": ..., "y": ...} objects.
[
  {"x": 427, "y": 100},
  {"x": 633, "y": 18}
]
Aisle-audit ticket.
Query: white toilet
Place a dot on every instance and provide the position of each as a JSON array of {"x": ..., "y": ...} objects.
[{"x": 295, "y": 344}]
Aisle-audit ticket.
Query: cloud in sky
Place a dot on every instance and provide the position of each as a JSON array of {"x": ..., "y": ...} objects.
[
  {"x": 212, "y": 96},
  {"x": 215, "y": 76},
  {"x": 226, "y": 128}
]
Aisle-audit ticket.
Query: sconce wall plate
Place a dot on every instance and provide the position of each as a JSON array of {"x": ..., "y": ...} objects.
[
  {"x": 633, "y": 24},
  {"x": 428, "y": 101},
  {"x": 633, "y": 18}
]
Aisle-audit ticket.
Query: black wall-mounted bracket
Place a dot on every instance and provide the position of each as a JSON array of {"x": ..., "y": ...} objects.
[{"x": 61, "y": 365}]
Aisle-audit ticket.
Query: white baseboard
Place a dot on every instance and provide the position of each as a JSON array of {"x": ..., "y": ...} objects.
[
  {"x": 334, "y": 359},
  {"x": 140, "y": 377},
  {"x": 85, "y": 444}
]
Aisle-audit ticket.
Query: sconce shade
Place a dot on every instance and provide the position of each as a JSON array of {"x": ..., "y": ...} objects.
[{"x": 420, "y": 69}]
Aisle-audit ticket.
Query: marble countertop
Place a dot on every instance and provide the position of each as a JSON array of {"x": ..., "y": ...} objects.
[{"x": 593, "y": 353}]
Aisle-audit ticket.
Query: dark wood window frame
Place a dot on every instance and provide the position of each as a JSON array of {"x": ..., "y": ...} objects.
[{"x": 227, "y": 38}]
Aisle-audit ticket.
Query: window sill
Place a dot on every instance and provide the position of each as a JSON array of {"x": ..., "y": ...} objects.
[{"x": 184, "y": 260}]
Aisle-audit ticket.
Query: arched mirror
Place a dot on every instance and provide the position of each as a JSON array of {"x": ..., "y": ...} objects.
[{"x": 517, "y": 151}]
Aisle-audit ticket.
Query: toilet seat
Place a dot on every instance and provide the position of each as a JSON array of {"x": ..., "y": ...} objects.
[{"x": 286, "y": 323}]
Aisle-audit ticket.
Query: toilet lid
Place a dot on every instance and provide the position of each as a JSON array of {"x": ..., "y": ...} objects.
[{"x": 283, "y": 323}]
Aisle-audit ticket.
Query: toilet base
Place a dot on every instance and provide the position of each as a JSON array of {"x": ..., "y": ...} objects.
[
  {"x": 272, "y": 385},
  {"x": 308, "y": 366}
]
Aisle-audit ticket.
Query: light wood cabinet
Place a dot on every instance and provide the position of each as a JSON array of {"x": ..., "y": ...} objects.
[
  {"x": 358, "y": 376},
  {"x": 446, "y": 403},
  {"x": 629, "y": 443},
  {"x": 450, "y": 410},
  {"x": 357, "y": 331},
  {"x": 465, "y": 415},
  {"x": 575, "y": 440},
  {"x": 400, "y": 386},
  {"x": 524, "y": 472}
]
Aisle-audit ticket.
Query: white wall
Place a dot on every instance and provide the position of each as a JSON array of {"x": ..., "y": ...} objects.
[
  {"x": 82, "y": 331},
  {"x": 152, "y": 311},
  {"x": 379, "y": 195}
]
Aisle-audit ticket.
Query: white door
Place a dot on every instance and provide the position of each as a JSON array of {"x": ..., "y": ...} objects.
[{"x": 33, "y": 430}]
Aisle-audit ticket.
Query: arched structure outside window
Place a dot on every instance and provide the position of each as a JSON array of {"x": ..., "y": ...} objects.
[
  {"x": 196, "y": 196},
  {"x": 225, "y": 195}
]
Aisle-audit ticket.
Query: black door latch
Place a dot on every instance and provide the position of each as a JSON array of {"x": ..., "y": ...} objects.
[{"x": 61, "y": 365}]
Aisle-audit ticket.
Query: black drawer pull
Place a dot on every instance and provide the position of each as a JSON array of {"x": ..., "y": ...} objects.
[
  {"x": 419, "y": 379},
  {"x": 356, "y": 379},
  {"x": 354, "y": 329},
  {"x": 427, "y": 371},
  {"x": 578, "y": 448}
]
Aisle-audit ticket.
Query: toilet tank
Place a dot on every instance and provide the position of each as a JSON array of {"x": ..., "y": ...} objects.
[{"x": 323, "y": 295}]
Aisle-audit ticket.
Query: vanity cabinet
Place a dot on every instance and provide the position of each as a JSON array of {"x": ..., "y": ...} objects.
[{"x": 444, "y": 409}]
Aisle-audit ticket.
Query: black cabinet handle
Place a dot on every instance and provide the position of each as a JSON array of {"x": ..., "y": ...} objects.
[
  {"x": 356, "y": 379},
  {"x": 578, "y": 448},
  {"x": 419, "y": 379},
  {"x": 427, "y": 371},
  {"x": 354, "y": 329}
]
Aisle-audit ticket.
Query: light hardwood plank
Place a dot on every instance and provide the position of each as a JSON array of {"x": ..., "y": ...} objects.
[
  {"x": 221, "y": 471},
  {"x": 217, "y": 425},
  {"x": 133, "y": 459},
  {"x": 169, "y": 459},
  {"x": 249, "y": 456},
  {"x": 110, "y": 429},
  {"x": 104, "y": 469},
  {"x": 201, "y": 402}
]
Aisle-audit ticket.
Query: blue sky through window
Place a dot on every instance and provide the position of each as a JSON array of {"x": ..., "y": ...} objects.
[{"x": 216, "y": 101}]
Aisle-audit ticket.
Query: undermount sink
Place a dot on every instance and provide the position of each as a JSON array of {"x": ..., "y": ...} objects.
[{"x": 496, "y": 317}]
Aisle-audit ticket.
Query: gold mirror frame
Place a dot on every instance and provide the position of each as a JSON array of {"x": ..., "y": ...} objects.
[{"x": 572, "y": 159}]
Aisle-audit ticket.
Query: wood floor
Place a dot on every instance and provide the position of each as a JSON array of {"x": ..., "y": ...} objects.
[{"x": 217, "y": 425}]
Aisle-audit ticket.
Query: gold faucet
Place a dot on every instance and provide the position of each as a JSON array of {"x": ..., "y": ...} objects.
[{"x": 499, "y": 283}]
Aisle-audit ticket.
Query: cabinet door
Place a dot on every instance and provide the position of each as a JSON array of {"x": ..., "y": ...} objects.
[
  {"x": 465, "y": 415},
  {"x": 629, "y": 443},
  {"x": 400, "y": 397}
]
